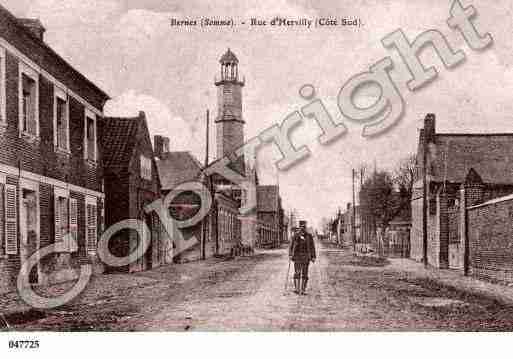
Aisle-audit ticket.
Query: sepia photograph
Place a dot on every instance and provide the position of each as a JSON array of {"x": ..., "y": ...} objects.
[{"x": 256, "y": 174}]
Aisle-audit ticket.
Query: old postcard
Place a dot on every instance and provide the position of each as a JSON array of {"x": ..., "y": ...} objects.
[{"x": 174, "y": 166}]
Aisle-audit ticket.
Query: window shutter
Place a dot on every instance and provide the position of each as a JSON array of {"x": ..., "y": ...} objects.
[
  {"x": 73, "y": 222},
  {"x": 91, "y": 227},
  {"x": 57, "y": 219},
  {"x": 11, "y": 218},
  {"x": 32, "y": 112}
]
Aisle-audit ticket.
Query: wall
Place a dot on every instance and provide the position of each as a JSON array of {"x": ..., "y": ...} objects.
[
  {"x": 490, "y": 236},
  {"x": 229, "y": 237}
]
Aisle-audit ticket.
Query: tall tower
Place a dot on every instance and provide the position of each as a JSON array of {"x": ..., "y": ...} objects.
[{"x": 229, "y": 122}]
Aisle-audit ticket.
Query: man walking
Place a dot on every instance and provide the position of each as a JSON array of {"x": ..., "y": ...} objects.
[{"x": 301, "y": 252}]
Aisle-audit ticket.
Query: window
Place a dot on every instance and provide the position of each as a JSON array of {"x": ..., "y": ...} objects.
[
  {"x": 29, "y": 101},
  {"x": 90, "y": 136},
  {"x": 3, "y": 114},
  {"x": 61, "y": 218},
  {"x": 65, "y": 218},
  {"x": 145, "y": 168},
  {"x": 91, "y": 224},
  {"x": 61, "y": 120}
]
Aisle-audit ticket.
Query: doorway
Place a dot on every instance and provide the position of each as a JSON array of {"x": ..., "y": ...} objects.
[{"x": 29, "y": 231}]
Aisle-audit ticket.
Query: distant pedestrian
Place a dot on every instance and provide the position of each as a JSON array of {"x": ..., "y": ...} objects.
[{"x": 301, "y": 252}]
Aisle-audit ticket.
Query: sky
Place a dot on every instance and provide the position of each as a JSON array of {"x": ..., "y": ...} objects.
[{"x": 128, "y": 49}]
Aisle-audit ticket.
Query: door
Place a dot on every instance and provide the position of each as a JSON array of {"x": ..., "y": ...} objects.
[{"x": 29, "y": 231}]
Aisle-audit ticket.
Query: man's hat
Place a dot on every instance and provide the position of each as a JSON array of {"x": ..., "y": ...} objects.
[{"x": 302, "y": 223}]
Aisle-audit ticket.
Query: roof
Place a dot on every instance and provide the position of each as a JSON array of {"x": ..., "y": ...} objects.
[
  {"x": 31, "y": 23},
  {"x": 229, "y": 57},
  {"x": 118, "y": 140},
  {"x": 230, "y": 165},
  {"x": 177, "y": 167},
  {"x": 22, "y": 26},
  {"x": 268, "y": 198},
  {"x": 490, "y": 155}
]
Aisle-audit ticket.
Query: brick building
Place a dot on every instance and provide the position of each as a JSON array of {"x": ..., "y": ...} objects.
[
  {"x": 131, "y": 184},
  {"x": 179, "y": 167},
  {"x": 454, "y": 161},
  {"x": 50, "y": 165},
  {"x": 270, "y": 216}
]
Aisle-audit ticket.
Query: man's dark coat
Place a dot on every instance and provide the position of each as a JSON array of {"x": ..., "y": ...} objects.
[{"x": 302, "y": 247}]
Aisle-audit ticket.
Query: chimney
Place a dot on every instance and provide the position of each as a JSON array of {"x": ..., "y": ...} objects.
[
  {"x": 161, "y": 145},
  {"x": 34, "y": 26},
  {"x": 430, "y": 128}
]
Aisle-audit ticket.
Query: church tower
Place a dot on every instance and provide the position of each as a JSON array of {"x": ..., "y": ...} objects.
[{"x": 229, "y": 121}]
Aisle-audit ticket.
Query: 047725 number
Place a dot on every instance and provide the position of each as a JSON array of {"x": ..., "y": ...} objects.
[{"x": 23, "y": 344}]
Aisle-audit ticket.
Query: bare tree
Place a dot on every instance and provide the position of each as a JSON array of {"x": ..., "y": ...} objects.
[{"x": 404, "y": 174}]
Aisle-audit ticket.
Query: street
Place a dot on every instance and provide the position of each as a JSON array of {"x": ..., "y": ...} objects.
[{"x": 345, "y": 293}]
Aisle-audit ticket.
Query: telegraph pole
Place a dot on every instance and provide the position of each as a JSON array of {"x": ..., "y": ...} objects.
[{"x": 206, "y": 220}]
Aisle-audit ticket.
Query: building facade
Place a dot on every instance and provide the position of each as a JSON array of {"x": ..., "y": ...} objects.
[
  {"x": 179, "y": 167},
  {"x": 131, "y": 184},
  {"x": 453, "y": 160},
  {"x": 51, "y": 177},
  {"x": 270, "y": 217}
]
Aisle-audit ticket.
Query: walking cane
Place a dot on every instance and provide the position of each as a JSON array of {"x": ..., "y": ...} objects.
[{"x": 287, "y": 279}]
